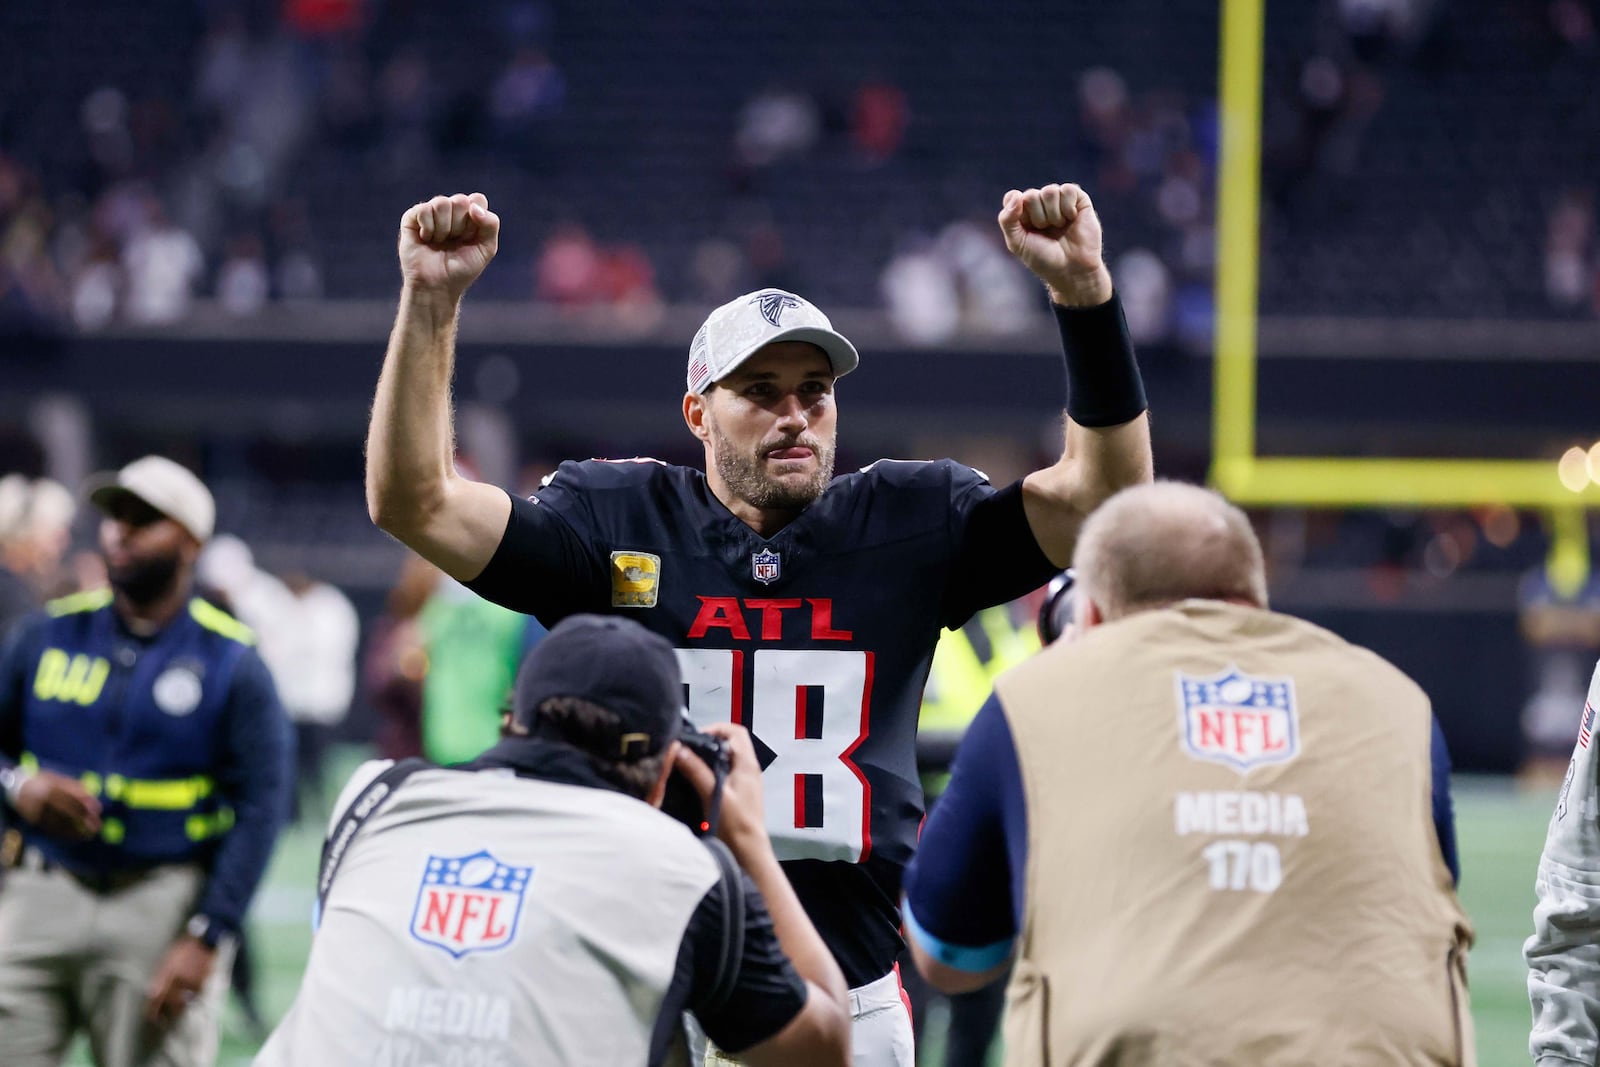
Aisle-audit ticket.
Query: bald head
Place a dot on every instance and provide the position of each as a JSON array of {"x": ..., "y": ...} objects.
[{"x": 1156, "y": 544}]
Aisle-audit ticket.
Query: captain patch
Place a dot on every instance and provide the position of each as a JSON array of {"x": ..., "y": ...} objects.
[{"x": 635, "y": 579}]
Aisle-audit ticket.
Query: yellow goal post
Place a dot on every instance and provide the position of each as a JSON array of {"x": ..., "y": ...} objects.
[{"x": 1320, "y": 481}]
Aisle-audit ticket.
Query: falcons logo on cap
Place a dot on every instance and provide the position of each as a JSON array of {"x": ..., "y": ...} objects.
[{"x": 774, "y": 304}]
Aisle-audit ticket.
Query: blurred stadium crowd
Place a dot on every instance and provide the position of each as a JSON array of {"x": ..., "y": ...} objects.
[{"x": 237, "y": 152}]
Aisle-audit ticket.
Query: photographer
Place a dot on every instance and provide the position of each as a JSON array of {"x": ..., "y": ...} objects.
[{"x": 527, "y": 907}]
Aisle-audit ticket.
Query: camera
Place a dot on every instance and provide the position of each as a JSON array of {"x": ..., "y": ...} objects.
[
  {"x": 1055, "y": 614},
  {"x": 682, "y": 802}
]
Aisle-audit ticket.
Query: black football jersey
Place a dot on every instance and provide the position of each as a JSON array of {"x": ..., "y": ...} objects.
[{"x": 818, "y": 639}]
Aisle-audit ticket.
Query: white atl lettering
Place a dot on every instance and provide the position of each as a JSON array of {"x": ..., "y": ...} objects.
[
  {"x": 448, "y": 1013},
  {"x": 1279, "y": 814}
]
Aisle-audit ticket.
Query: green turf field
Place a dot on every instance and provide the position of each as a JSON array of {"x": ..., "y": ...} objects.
[{"x": 1501, "y": 832}]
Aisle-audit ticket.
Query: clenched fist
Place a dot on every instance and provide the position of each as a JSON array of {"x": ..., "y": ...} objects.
[
  {"x": 446, "y": 242},
  {"x": 1055, "y": 233}
]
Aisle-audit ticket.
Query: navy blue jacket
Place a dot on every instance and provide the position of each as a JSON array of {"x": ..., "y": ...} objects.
[{"x": 179, "y": 734}]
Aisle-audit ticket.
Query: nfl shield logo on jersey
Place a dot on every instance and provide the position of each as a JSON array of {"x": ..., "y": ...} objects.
[
  {"x": 1239, "y": 720},
  {"x": 764, "y": 564},
  {"x": 469, "y": 903}
]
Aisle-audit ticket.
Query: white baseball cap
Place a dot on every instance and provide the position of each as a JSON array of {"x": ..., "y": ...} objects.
[
  {"x": 170, "y": 488},
  {"x": 744, "y": 325}
]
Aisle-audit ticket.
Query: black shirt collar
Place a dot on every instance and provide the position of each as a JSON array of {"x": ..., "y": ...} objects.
[{"x": 548, "y": 761}]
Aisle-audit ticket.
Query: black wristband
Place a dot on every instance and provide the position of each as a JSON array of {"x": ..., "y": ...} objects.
[{"x": 1104, "y": 387}]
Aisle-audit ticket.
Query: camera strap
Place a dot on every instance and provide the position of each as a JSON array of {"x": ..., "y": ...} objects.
[
  {"x": 364, "y": 807},
  {"x": 727, "y": 973}
]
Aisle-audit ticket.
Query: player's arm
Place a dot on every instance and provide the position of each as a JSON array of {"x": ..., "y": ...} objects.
[
  {"x": 1563, "y": 955},
  {"x": 818, "y": 1032},
  {"x": 962, "y": 896},
  {"x": 1055, "y": 233},
  {"x": 413, "y": 490}
]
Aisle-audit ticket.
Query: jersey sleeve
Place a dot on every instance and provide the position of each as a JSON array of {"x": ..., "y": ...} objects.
[
  {"x": 1444, "y": 816},
  {"x": 547, "y": 564},
  {"x": 964, "y": 887},
  {"x": 996, "y": 557},
  {"x": 1563, "y": 955}
]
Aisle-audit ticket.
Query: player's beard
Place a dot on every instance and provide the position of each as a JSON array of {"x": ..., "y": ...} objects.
[
  {"x": 745, "y": 474},
  {"x": 147, "y": 580}
]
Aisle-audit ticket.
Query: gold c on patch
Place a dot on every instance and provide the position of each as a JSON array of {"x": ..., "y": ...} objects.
[{"x": 635, "y": 579}]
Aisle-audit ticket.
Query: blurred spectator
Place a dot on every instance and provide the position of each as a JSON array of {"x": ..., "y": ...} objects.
[
  {"x": 222, "y": 76},
  {"x": 97, "y": 285},
  {"x": 1561, "y": 631},
  {"x": 920, "y": 295},
  {"x": 31, "y": 292},
  {"x": 242, "y": 282},
  {"x": 1103, "y": 118},
  {"x": 163, "y": 264},
  {"x": 999, "y": 295},
  {"x": 346, "y": 108},
  {"x": 627, "y": 278},
  {"x": 17, "y": 597},
  {"x": 768, "y": 256},
  {"x": 35, "y": 530},
  {"x": 473, "y": 650},
  {"x": 395, "y": 663},
  {"x": 85, "y": 570},
  {"x": 297, "y": 274},
  {"x": 406, "y": 108},
  {"x": 321, "y": 635},
  {"x": 323, "y": 18},
  {"x": 228, "y": 573},
  {"x": 573, "y": 270},
  {"x": 1569, "y": 270},
  {"x": 529, "y": 89},
  {"x": 963, "y": 279},
  {"x": 717, "y": 269},
  {"x": 103, "y": 118},
  {"x": 1574, "y": 24},
  {"x": 569, "y": 271},
  {"x": 1146, "y": 288},
  {"x": 878, "y": 119},
  {"x": 307, "y": 633},
  {"x": 776, "y": 124},
  {"x": 1181, "y": 197}
]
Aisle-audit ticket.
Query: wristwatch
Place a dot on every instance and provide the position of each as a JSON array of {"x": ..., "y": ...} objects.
[
  {"x": 206, "y": 930},
  {"x": 11, "y": 782}
]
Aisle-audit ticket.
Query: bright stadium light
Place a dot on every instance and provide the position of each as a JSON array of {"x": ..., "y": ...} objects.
[
  {"x": 1594, "y": 462},
  {"x": 1574, "y": 468}
]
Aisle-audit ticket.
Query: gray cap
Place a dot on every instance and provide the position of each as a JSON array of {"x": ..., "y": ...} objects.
[{"x": 744, "y": 325}]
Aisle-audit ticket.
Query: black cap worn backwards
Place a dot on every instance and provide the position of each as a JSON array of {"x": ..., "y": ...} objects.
[{"x": 615, "y": 664}]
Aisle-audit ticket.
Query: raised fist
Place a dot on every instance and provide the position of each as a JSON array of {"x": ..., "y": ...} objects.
[
  {"x": 446, "y": 242},
  {"x": 1055, "y": 233}
]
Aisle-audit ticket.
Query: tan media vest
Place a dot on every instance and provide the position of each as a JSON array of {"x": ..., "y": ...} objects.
[{"x": 1231, "y": 853}]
